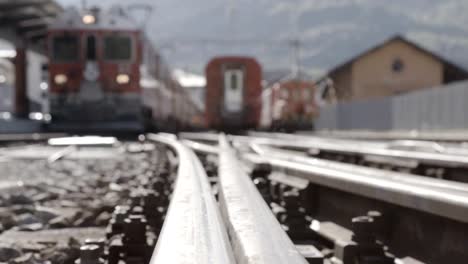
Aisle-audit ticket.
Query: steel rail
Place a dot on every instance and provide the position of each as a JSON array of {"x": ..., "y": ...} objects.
[
  {"x": 266, "y": 151},
  {"x": 362, "y": 148},
  {"x": 344, "y": 147},
  {"x": 200, "y": 147},
  {"x": 438, "y": 201},
  {"x": 205, "y": 136},
  {"x": 255, "y": 234},
  {"x": 193, "y": 231},
  {"x": 271, "y": 152}
]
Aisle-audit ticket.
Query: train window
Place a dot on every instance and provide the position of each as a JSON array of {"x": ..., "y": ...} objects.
[
  {"x": 91, "y": 48},
  {"x": 233, "y": 89},
  {"x": 234, "y": 82},
  {"x": 65, "y": 48},
  {"x": 117, "y": 48},
  {"x": 234, "y": 79}
]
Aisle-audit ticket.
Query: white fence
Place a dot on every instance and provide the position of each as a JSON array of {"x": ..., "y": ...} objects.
[{"x": 439, "y": 108}]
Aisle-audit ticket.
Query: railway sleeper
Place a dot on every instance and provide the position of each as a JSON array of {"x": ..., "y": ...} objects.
[
  {"x": 357, "y": 238},
  {"x": 288, "y": 198},
  {"x": 404, "y": 231}
]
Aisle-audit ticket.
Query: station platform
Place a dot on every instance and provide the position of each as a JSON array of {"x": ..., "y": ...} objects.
[{"x": 19, "y": 126}]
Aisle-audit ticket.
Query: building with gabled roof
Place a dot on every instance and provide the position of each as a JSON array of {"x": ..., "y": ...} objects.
[{"x": 393, "y": 67}]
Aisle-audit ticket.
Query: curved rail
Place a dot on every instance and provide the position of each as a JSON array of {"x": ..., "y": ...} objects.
[
  {"x": 255, "y": 234},
  {"x": 397, "y": 176},
  {"x": 200, "y": 147},
  {"x": 361, "y": 148},
  {"x": 442, "y": 201},
  {"x": 266, "y": 150},
  {"x": 193, "y": 231},
  {"x": 207, "y": 136}
]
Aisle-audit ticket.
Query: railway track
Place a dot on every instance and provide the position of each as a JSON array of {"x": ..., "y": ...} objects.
[
  {"x": 255, "y": 234},
  {"x": 193, "y": 231},
  {"x": 449, "y": 163},
  {"x": 446, "y": 163},
  {"x": 412, "y": 214},
  {"x": 225, "y": 199}
]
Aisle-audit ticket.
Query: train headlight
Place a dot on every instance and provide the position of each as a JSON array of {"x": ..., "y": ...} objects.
[
  {"x": 122, "y": 79},
  {"x": 89, "y": 19},
  {"x": 60, "y": 79}
]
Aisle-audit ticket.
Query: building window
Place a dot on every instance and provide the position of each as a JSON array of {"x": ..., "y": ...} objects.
[
  {"x": 284, "y": 93},
  {"x": 398, "y": 65}
]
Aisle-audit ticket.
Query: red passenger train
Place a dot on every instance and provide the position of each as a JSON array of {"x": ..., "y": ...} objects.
[
  {"x": 105, "y": 74},
  {"x": 233, "y": 93}
]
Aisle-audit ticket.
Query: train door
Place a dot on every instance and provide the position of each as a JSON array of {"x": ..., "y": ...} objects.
[
  {"x": 233, "y": 90},
  {"x": 91, "y": 69},
  {"x": 91, "y": 89}
]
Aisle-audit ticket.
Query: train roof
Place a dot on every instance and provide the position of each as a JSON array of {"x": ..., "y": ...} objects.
[
  {"x": 220, "y": 60},
  {"x": 114, "y": 18},
  {"x": 232, "y": 58}
]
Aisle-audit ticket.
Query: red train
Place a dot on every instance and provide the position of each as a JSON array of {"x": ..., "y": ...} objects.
[
  {"x": 289, "y": 105},
  {"x": 233, "y": 93},
  {"x": 104, "y": 75}
]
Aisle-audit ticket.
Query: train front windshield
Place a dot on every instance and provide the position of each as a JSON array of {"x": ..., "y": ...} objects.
[
  {"x": 117, "y": 48},
  {"x": 65, "y": 48}
]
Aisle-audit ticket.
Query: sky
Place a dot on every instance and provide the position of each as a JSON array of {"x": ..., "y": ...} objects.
[{"x": 333, "y": 30}]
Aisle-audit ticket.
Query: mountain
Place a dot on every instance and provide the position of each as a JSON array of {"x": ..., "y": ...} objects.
[{"x": 190, "y": 32}]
